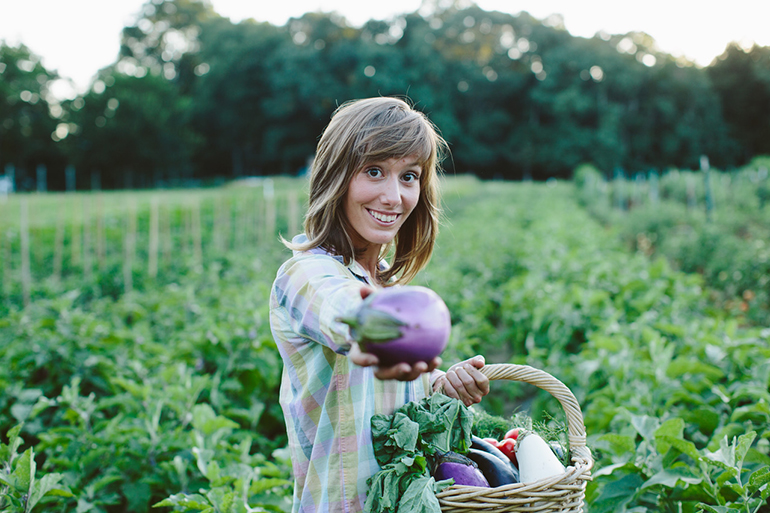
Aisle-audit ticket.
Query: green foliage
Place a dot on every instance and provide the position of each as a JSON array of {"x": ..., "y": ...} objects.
[
  {"x": 668, "y": 216},
  {"x": 21, "y": 489},
  {"x": 167, "y": 395}
]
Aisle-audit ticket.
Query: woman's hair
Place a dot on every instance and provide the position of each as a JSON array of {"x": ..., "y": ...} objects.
[{"x": 361, "y": 132}]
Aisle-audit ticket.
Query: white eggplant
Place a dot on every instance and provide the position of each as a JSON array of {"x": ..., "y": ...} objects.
[{"x": 536, "y": 459}]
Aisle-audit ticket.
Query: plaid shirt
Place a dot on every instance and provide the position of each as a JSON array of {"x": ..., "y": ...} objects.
[{"x": 327, "y": 400}]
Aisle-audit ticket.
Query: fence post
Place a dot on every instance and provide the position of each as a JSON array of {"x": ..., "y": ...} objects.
[
  {"x": 270, "y": 213},
  {"x": 197, "y": 237},
  {"x": 70, "y": 178},
  {"x": 76, "y": 234},
  {"x": 42, "y": 185},
  {"x": 58, "y": 249},
  {"x": 101, "y": 240},
  {"x": 87, "y": 262},
  {"x": 153, "y": 249},
  {"x": 129, "y": 246},
  {"x": 706, "y": 168},
  {"x": 26, "y": 275},
  {"x": 293, "y": 214}
]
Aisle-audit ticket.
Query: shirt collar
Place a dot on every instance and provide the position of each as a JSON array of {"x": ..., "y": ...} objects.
[{"x": 354, "y": 267}]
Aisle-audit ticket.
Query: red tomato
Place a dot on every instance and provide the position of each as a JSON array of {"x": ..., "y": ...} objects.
[
  {"x": 492, "y": 441},
  {"x": 507, "y": 446},
  {"x": 512, "y": 434}
]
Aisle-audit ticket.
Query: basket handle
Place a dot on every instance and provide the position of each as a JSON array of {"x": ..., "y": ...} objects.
[{"x": 575, "y": 428}]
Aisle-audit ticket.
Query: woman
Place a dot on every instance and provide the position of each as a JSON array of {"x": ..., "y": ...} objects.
[{"x": 373, "y": 188}]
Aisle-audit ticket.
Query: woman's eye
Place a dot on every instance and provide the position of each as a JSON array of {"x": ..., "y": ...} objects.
[
  {"x": 373, "y": 172},
  {"x": 410, "y": 177}
]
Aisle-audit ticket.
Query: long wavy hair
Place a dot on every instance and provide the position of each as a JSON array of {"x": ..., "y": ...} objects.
[{"x": 361, "y": 132}]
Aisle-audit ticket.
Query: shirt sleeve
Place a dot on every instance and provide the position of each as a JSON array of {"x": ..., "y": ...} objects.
[{"x": 315, "y": 290}]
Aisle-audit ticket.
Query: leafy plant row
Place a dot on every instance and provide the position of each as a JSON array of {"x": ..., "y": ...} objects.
[
  {"x": 674, "y": 392},
  {"x": 715, "y": 224},
  {"x": 152, "y": 396},
  {"x": 169, "y": 394},
  {"x": 103, "y": 243}
]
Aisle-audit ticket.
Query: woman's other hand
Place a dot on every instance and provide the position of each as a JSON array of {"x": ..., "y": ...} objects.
[{"x": 464, "y": 381}]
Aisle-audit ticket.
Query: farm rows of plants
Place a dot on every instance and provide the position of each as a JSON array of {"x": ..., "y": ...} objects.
[
  {"x": 716, "y": 224},
  {"x": 169, "y": 392}
]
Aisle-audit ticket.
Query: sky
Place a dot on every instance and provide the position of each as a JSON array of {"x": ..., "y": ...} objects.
[{"x": 79, "y": 37}]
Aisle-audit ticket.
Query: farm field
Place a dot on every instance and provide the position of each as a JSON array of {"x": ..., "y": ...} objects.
[{"x": 137, "y": 384}]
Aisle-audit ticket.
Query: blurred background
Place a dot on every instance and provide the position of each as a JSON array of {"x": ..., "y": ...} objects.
[{"x": 187, "y": 92}]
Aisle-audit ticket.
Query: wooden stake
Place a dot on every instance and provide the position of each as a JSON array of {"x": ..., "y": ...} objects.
[
  {"x": 153, "y": 249},
  {"x": 167, "y": 242},
  {"x": 87, "y": 260},
  {"x": 101, "y": 240},
  {"x": 129, "y": 247},
  {"x": 26, "y": 275},
  {"x": 293, "y": 215},
  {"x": 196, "y": 228},
  {"x": 58, "y": 249},
  {"x": 76, "y": 233},
  {"x": 5, "y": 242}
]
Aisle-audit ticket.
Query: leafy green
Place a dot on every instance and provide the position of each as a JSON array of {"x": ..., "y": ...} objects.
[{"x": 405, "y": 444}]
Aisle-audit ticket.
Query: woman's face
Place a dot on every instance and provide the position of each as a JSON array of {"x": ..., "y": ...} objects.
[{"x": 380, "y": 197}]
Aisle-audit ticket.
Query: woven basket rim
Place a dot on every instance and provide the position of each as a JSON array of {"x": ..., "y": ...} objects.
[{"x": 566, "y": 490}]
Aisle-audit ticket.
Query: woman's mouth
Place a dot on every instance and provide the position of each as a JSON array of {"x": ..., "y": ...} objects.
[{"x": 382, "y": 217}]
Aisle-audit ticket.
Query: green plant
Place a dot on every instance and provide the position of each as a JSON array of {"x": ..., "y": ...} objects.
[{"x": 21, "y": 489}]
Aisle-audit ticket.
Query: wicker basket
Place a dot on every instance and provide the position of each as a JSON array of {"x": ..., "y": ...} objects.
[{"x": 564, "y": 492}]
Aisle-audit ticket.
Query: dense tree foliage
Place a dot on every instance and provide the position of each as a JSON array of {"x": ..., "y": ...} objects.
[{"x": 194, "y": 95}]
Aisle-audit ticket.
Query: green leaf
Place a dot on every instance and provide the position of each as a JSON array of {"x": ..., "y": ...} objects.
[
  {"x": 8, "y": 452},
  {"x": 208, "y": 422},
  {"x": 420, "y": 497},
  {"x": 615, "y": 495},
  {"x": 670, "y": 429},
  {"x": 743, "y": 446},
  {"x": 645, "y": 425},
  {"x": 23, "y": 474},
  {"x": 182, "y": 500},
  {"x": 671, "y": 477},
  {"x": 758, "y": 479},
  {"x": 46, "y": 486},
  {"x": 716, "y": 509}
]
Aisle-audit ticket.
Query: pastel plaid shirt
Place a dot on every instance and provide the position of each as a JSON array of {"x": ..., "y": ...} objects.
[{"x": 327, "y": 400}]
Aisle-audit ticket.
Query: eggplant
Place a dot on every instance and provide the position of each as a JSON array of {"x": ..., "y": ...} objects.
[
  {"x": 462, "y": 469},
  {"x": 401, "y": 324},
  {"x": 484, "y": 446},
  {"x": 497, "y": 472}
]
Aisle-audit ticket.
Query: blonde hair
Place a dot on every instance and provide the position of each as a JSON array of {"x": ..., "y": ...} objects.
[{"x": 361, "y": 132}]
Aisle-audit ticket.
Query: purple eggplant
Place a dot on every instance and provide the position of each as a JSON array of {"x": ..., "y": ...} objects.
[
  {"x": 401, "y": 324},
  {"x": 460, "y": 468}
]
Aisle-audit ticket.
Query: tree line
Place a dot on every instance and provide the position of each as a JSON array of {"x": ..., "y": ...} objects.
[{"x": 193, "y": 97}]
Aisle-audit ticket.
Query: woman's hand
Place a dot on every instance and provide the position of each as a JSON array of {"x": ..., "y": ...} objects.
[
  {"x": 464, "y": 381},
  {"x": 400, "y": 371}
]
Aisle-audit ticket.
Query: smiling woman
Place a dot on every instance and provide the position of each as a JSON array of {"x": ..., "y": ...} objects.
[{"x": 373, "y": 185}]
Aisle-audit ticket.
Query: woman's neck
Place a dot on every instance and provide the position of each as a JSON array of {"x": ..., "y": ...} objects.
[{"x": 369, "y": 259}]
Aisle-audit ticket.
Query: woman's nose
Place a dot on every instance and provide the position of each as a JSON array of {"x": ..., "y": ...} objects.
[{"x": 391, "y": 192}]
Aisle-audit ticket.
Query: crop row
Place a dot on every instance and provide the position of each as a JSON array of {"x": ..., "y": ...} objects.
[{"x": 168, "y": 393}]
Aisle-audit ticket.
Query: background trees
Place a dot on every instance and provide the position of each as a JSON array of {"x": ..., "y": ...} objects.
[{"x": 195, "y": 96}]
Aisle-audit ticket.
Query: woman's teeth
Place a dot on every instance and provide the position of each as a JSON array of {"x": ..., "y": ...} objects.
[{"x": 382, "y": 217}]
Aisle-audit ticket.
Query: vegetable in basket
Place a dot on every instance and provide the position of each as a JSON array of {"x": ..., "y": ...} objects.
[
  {"x": 462, "y": 469},
  {"x": 536, "y": 458},
  {"x": 401, "y": 324},
  {"x": 407, "y": 444}
]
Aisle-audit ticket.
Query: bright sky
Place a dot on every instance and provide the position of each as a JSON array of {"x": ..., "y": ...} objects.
[{"x": 78, "y": 37}]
